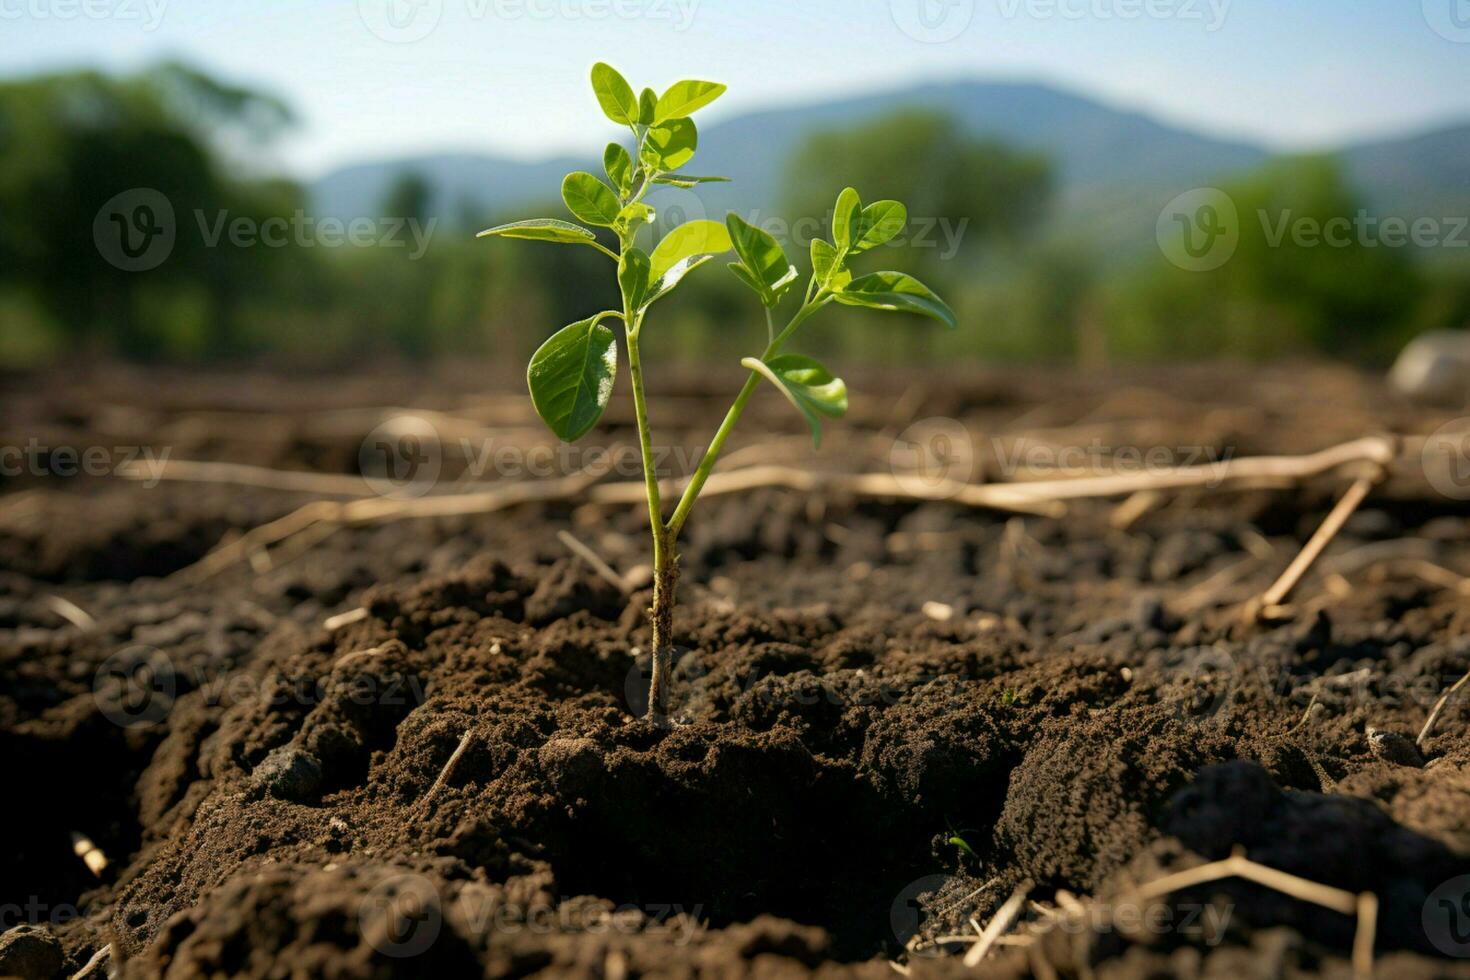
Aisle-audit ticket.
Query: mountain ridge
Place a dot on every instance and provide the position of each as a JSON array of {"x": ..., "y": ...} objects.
[{"x": 1110, "y": 161}]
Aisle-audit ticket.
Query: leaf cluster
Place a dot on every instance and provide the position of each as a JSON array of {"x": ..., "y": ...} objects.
[{"x": 571, "y": 377}]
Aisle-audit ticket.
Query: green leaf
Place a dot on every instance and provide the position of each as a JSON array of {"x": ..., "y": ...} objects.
[
  {"x": 633, "y": 275},
  {"x": 688, "y": 180},
  {"x": 614, "y": 94},
  {"x": 769, "y": 271},
  {"x": 825, "y": 267},
  {"x": 880, "y": 221},
  {"x": 619, "y": 167},
  {"x": 700, "y": 237},
  {"x": 544, "y": 230},
  {"x": 671, "y": 145},
  {"x": 632, "y": 217},
  {"x": 846, "y": 217},
  {"x": 684, "y": 98},
  {"x": 748, "y": 277},
  {"x": 571, "y": 377},
  {"x": 590, "y": 199},
  {"x": 647, "y": 103},
  {"x": 807, "y": 385},
  {"x": 896, "y": 291},
  {"x": 672, "y": 277}
]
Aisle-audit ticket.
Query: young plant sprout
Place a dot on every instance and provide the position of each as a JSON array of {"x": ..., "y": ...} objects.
[{"x": 571, "y": 376}]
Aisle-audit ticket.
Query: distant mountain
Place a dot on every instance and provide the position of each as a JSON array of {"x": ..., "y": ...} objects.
[
  {"x": 1116, "y": 168},
  {"x": 1092, "y": 144},
  {"x": 1426, "y": 175}
]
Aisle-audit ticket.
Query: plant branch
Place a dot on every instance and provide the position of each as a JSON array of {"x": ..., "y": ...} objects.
[{"x": 732, "y": 418}]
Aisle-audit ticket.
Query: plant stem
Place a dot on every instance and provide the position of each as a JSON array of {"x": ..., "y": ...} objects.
[
  {"x": 732, "y": 417},
  {"x": 665, "y": 561}
]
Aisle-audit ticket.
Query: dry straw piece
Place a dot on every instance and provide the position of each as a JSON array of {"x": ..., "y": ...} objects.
[{"x": 312, "y": 522}]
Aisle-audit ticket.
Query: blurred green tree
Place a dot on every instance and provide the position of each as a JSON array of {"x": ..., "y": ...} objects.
[
  {"x": 147, "y": 149},
  {"x": 1306, "y": 276},
  {"x": 963, "y": 193}
]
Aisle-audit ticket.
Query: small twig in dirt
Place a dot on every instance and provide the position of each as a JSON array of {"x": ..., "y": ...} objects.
[
  {"x": 1367, "y": 932},
  {"x": 71, "y": 612},
  {"x": 90, "y": 853},
  {"x": 17, "y": 504},
  {"x": 334, "y": 623},
  {"x": 98, "y": 958},
  {"x": 1043, "y": 497},
  {"x": 882, "y": 486},
  {"x": 1439, "y": 705},
  {"x": 1372, "y": 449},
  {"x": 1329, "y": 529},
  {"x": 1257, "y": 544},
  {"x": 1004, "y": 916},
  {"x": 374, "y": 510},
  {"x": 593, "y": 559},
  {"x": 245, "y": 475},
  {"x": 1201, "y": 594},
  {"x": 1379, "y": 552},
  {"x": 1132, "y": 510},
  {"x": 1069, "y": 902},
  {"x": 1363, "y": 906},
  {"x": 464, "y": 743},
  {"x": 1427, "y": 571},
  {"x": 1306, "y": 717}
]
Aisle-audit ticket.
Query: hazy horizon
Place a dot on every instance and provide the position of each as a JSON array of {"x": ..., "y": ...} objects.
[{"x": 507, "y": 77}]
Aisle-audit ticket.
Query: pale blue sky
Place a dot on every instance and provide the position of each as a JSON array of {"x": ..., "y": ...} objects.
[{"x": 509, "y": 76}]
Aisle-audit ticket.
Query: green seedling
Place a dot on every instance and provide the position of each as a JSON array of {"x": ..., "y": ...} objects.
[
  {"x": 963, "y": 845},
  {"x": 571, "y": 376}
]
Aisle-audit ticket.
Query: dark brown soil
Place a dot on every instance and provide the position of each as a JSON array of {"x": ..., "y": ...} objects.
[{"x": 1096, "y": 712}]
